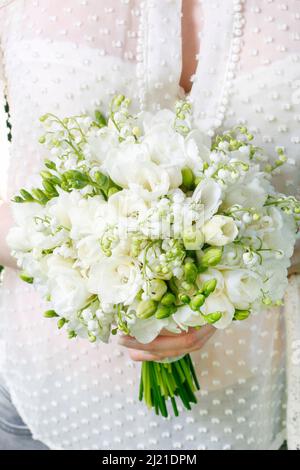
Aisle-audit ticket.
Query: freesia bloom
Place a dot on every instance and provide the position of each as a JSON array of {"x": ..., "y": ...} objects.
[
  {"x": 220, "y": 230},
  {"x": 116, "y": 279}
]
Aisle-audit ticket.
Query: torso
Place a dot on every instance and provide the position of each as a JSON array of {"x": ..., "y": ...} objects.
[{"x": 73, "y": 56}]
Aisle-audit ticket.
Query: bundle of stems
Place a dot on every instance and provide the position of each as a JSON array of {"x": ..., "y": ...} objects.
[{"x": 161, "y": 382}]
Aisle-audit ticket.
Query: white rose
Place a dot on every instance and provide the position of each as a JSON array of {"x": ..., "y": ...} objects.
[
  {"x": 100, "y": 142},
  {"x": 59, "y": 208},
  {"x": 67, "y": 288},
  {"x": 146, "y": 330},
  {"x": 25, "y": 235},
  {"x": 197, "y": 150},
  {"x": 130, "y": 167},
  {"x": 243, "y": 287},
  {"x": 219, "y": 303},
  {"x": 249, "y": 193},
  {"x": 186, "y": 317},
  {"x": 88, "y": 251},
  {"x": 115, "y": 280},
  {"x": 89, "y": 217},
  {"x": 128, "y": 208},
  {"x": 208, "y": 193},
  {"x": 220, "y": 230}
]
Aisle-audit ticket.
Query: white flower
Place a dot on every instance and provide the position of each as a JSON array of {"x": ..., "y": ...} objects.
[
  {"x": 275, "y": 273},
  {"x": 67, "y": 288},
  {"x": 89, "y": 251},
  {"x": 166, "y": 149},
  {"x": 208, "y": 193},
  {"x": 197, "y": 150},
  {"x": 250, "y": 192},
  {"x": 115, "y": 280},
  {"x": 250, "y": 258},
  {"x": 88, "y": 217},
  {"x": 59, "y": 208},
  {"x": 146, "y": 330},
  {"x": 100, "y": 143},
  {"x": 220, "y": 230},
  {"x": 128, "y": 208},
  {"x": 186, "y": 317},
  {"x": 243, "y": 287},
  {"x": 130, "y": 167},
  {"x": 219, "y": 303},
  {"x": 25, "y": 235}
]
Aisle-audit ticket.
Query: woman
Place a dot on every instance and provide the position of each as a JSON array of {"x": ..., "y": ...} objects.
[{"x": 239, "y": 61}]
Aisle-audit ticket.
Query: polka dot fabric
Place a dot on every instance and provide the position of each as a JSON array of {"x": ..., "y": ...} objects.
[{"x": 72, "y": 56}]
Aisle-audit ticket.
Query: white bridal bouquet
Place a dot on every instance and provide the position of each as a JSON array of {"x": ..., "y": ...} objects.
[{"x": 141, "y": 223}]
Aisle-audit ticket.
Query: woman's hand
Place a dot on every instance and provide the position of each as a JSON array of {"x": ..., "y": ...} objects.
[{"x": 168, "y": 344}]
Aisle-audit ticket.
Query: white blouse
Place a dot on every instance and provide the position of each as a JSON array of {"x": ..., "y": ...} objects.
[{"x": 72, "y": 56}]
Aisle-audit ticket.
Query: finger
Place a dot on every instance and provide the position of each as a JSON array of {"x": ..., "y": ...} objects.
[
  {"x": 141, "y": 356},
  {"x": 165, "y": 332},
  {"x": 161, "y": 344}
]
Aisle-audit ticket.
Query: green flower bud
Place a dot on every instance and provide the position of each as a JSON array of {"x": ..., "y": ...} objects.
[
  {"x": 40, "y": 196},
  {"x": 18, "y": 200},
  {"x": 190, "y": 272},
  {"x": 267, "y": 301},
  {"x": 100, "y": 118},
  {"x": 42, "y": 139},
  {"x": 136, "y": 131},
  {"x": 193, "y": 239},
  {"x": 139, "y": 295},
  {"x": 188, "y": 178},
  {"x": 173, "y": 286},
  {"x": 197, "y": 302},
  {"x": 163, "y": 312},
  {"x": 211, "y": 257},
  {"x": 186, "y": 286},
  {"x": 184, "y": 298},
  {"x": 157, "y": 289},
  {"x": 71, "y": 334},
  {"x": 118, "y": 100},
  {"x": 168, "y": 299},
  {"x": 49, "y": 188},
  {"x": 198, "y": 179},
  {"x": 212, "y": 318},
  {"x": 50, "y": 314},
  {"x": 146, "y": 309},
  {"x": 101, "y": 179},
  {"x": 26, "y": 195},
  {"x": 61, "y": 322},
  {"x": 76, "y": 179},
  {"x": 112, "y": 191},
  {"x": 92, "y": 338},
  {"x": 26, "y": 278},
  {"x": 241, "y": 315},
  {"x": 209, "y": 287},
  {"x": 49, "y": 164}
]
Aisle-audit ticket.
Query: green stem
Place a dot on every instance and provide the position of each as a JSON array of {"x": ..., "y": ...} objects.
[{"x": 167, "y": 382}]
